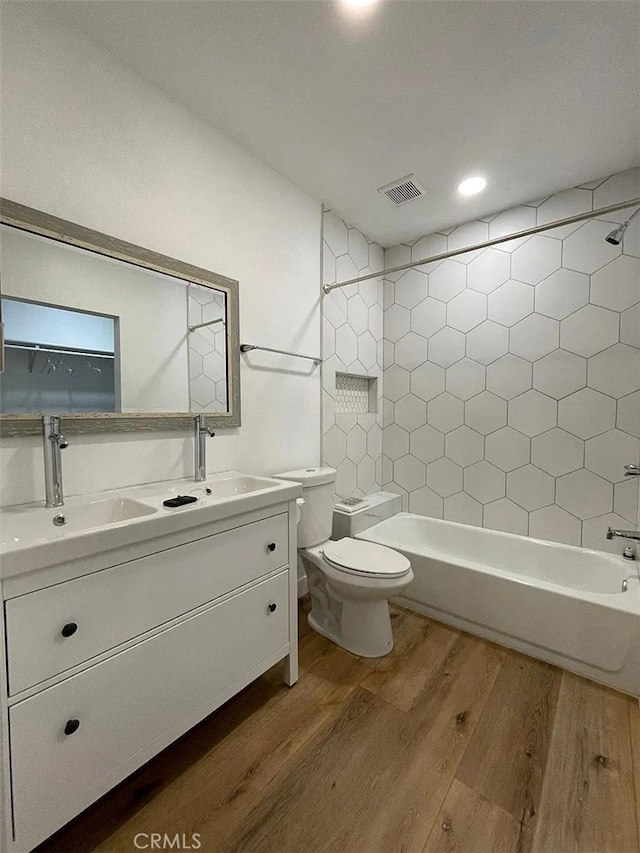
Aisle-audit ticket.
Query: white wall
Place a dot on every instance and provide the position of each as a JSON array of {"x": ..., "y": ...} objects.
[{"x": 85, "y": 139}]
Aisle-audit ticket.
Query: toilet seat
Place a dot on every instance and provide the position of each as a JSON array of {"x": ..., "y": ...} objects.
[{"x": 366, "y": 559}]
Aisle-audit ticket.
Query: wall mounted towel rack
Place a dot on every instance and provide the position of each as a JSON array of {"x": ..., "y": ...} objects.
[
  {"x": 249, "y": 347},
  {"x": 208, "y": 323}
]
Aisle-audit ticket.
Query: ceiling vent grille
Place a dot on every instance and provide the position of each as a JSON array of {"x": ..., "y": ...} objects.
[{"x": 403, "y": 190}]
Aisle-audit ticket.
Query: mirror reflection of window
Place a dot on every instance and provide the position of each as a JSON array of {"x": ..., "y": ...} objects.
[
  {"x": 207, "y": 350},
  {"x": 58, "y": 360}
]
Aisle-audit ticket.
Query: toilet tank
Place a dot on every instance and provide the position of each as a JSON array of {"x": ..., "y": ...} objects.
[{"x": 316, "y": 514}]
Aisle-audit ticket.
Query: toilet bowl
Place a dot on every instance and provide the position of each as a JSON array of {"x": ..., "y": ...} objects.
[
  {"x": 350, "y": 602},
  {"x": 350, "y": 581}
]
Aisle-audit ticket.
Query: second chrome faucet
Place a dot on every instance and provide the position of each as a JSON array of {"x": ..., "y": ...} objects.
[
  {"x": 200, "y": 433},
  {"x": 53, "y": 444}
]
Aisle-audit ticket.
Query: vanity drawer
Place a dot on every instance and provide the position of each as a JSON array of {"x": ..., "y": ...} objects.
[
  {"x": 128, "y": 701},
  {"x": 114, "y": 605}
]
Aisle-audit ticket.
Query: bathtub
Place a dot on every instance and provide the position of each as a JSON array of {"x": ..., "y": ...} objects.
[{"x": 572, "y": 607}]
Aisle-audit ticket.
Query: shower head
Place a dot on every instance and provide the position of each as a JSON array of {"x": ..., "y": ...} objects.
[{"x": 616, "y": 236}]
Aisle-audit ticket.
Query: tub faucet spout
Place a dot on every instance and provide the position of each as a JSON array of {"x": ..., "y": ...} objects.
[{"x": 623, "y": 534}]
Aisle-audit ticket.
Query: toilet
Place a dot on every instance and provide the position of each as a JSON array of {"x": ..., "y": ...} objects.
[{"x": 350, "y": 581}]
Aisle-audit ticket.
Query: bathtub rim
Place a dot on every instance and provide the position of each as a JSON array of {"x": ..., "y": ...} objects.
[{"x": 624, "y": 601}]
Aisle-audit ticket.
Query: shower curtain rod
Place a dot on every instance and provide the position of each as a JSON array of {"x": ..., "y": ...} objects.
[{"x": 568, "y": 220}]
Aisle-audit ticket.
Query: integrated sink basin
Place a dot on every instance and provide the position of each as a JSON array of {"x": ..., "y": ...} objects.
[
  {"x": 235, "y": 484},
  {"x": 103, "y": 512},
  {"x": 33, "y": 537},
  {"x": 29, "y": 525}
]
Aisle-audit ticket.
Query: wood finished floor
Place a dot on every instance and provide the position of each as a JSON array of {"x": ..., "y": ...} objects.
[{"x": 448, "y": 745}]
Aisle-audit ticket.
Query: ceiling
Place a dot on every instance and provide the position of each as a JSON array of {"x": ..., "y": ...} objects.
[{"x": 535, "y": 96}]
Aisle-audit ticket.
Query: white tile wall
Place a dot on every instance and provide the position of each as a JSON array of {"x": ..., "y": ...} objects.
[
  {"x": 207, "y": 351},
  {"x": 512, "y": 375},
  {"x": 351, "y": 343}
]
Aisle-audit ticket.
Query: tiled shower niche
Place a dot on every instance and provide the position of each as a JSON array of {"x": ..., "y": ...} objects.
[{"x": 356, "y": 394}]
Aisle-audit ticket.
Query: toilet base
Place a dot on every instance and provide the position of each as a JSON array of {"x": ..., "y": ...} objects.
[
  {"x": 368, "y": 631},
  {"x": 361, "y": 625}
]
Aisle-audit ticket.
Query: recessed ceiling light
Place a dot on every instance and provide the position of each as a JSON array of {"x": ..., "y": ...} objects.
[
  {"x": 472, "y": 186},
  {"x": 359, "y": 4}
]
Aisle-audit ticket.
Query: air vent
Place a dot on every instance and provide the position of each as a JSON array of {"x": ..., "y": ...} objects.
[{"x": 403, "y": 190}]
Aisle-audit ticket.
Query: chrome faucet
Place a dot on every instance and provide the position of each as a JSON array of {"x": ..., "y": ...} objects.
[
  {"x": 632, "y": 470},
  {"x": 623, "y": 534},
  {"x": 53, "y": 444},
  {"x": 201, "y": 433}
]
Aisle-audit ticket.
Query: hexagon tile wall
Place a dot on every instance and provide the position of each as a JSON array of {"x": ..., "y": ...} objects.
[
  {"x": 351, "y": 343},
  {"x": 207, "y": 351},
  {"x": 512, "y": 375}
]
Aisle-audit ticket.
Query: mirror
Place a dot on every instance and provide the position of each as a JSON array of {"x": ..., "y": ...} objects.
[{"x": 96, "y": 329}]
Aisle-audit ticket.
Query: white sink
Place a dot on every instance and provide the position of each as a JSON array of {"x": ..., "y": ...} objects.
[
  {"x": 229, "y": 486},
  {"x": 236, "y": 484},
  {"x": 31, "y": 525},
  {"x": 104, "y": 512},
  {"x": 30, "y": 540}
]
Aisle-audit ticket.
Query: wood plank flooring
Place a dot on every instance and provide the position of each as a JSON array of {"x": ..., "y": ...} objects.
[{"x": 448, "y": 745}]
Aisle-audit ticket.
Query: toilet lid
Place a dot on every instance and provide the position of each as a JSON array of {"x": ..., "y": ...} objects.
[{"x": 366, "y": 558}]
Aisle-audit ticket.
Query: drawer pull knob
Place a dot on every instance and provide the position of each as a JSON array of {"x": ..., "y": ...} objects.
[
  {"x": 272, "y": 546},
  {"x": 69, "y": 629},
  {"x": 71, "y": 727},
  {"x": 272, "y": 607}
]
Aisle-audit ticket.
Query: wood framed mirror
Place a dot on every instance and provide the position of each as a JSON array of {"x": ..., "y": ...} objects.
[{"x": 109, "y": 335}]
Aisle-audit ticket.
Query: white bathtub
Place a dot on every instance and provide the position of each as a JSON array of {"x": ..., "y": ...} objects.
[{"x": 565, "y": 605}]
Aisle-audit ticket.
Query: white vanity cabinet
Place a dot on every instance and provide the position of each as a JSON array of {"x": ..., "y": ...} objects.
[{"x": 103, "y": 669}]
